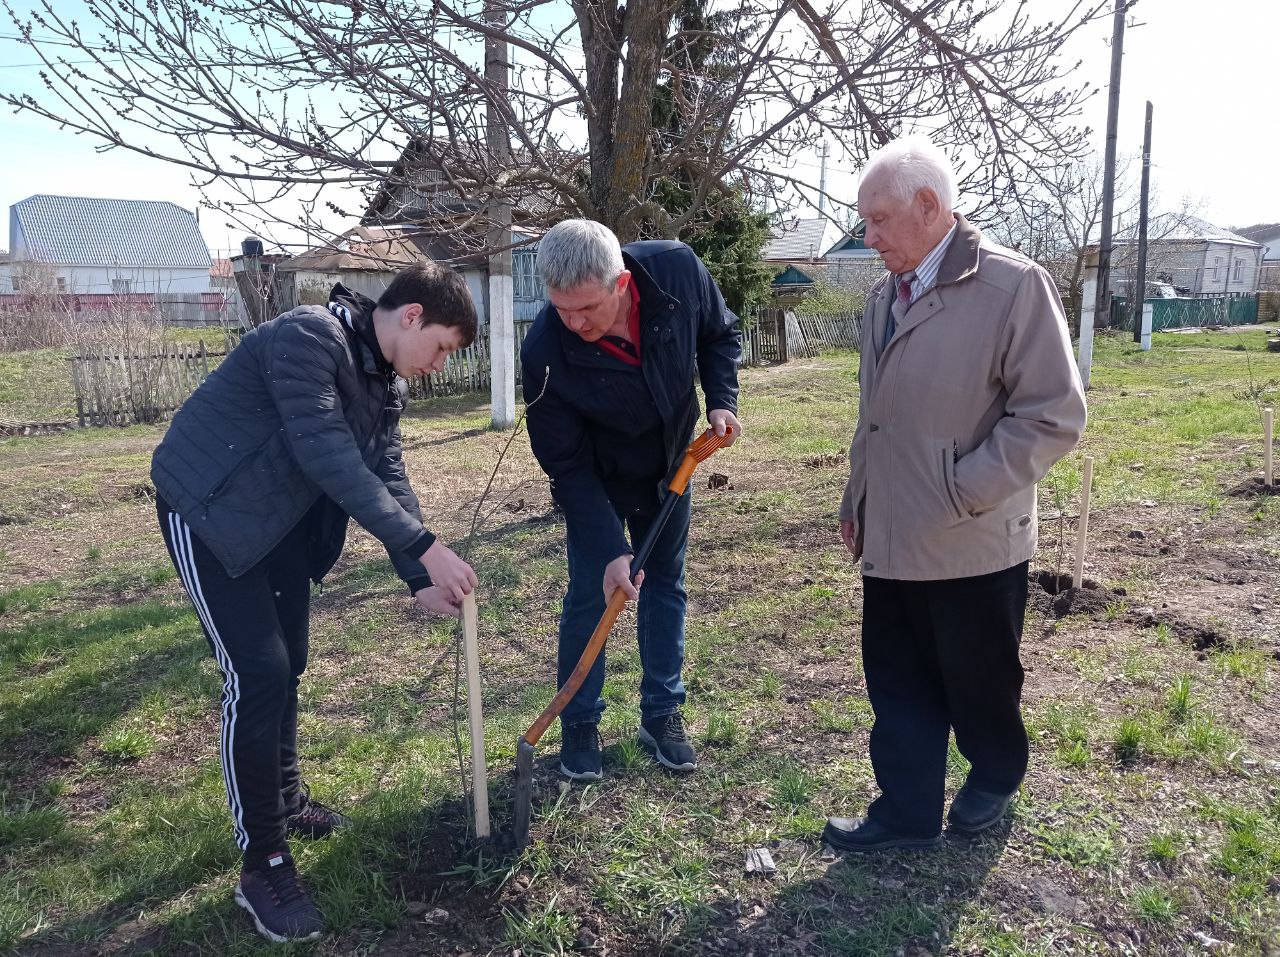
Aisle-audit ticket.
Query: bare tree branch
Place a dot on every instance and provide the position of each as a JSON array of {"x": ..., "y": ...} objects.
[{"x": 376, "y": 109}]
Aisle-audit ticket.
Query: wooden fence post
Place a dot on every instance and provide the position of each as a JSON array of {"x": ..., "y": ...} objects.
[
  {"x": 475, "y": 716},
  {"x": 1086, "y": 488},
  {"x": 1268, "y": 424}
]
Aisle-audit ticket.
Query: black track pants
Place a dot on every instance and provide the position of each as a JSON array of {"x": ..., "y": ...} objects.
[{"x": 256, "y": 626}]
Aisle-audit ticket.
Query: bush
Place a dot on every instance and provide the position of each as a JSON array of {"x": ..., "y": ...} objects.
[{"x": 827, "y": 299}]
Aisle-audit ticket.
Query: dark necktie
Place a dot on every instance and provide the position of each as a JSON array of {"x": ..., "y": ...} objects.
[{"x": 903, "y": 303}]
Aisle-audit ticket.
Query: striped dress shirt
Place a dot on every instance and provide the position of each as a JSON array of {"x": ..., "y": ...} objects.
[{"x": 927, "y": 271}]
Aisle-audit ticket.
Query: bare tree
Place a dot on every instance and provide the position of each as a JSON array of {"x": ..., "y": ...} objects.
[
  {"x": 310, "y": 101},
  {"x": 1058, "y": 223}
]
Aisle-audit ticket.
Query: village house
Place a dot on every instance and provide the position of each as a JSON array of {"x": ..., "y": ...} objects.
[{"x": 90, "y": 245}]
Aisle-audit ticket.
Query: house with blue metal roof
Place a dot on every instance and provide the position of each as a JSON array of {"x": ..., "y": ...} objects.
[{"x": 90, "y": 245}]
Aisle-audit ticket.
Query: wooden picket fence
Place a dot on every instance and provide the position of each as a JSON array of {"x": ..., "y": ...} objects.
[
  {"x": 467, "y": 370},
  {"x": 820, "y": 333},
  {"x": 764, "y": 338},
  {"x": 773, "y": 335},
  {"x": 136, "y": 388},
  {"x": 118, "y": 389}
]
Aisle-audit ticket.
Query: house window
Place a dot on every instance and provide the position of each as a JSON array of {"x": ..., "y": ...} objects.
[
  {"x": 1239, "y": 269},
  {"x": 121, "y": 286},
  {"x": 1217, "y": 261},
  {"x": 525, "y": 282},
  {"x": 62, "y": 284}
]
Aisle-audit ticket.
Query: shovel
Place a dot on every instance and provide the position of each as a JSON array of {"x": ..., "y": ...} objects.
[{"x": 700, "y": 450}]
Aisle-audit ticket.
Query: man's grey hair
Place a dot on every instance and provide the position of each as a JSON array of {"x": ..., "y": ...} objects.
[
  {"x": 910, "y": 164},
  {"x": 575, "y": 251}
]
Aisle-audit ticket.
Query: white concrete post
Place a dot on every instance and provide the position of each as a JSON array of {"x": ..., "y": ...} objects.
[
  {"x": 502, "y": 339},
  {"x": 1148, "y": 316},
  {"x": 1088, "y": 299},
  {"x": 502, "y": 330}
]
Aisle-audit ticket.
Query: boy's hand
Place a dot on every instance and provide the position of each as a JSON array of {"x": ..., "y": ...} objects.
[
  {"x": 454, "y": 577},
  {"x": 617, "y": 574},
  {"x": 433, "y": 599}
]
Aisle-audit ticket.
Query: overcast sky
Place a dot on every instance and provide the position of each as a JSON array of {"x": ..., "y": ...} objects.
[{"x": 1211, "y": 70}]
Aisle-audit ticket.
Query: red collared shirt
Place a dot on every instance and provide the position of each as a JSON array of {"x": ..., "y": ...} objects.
[{"x": 619, "y": 348}]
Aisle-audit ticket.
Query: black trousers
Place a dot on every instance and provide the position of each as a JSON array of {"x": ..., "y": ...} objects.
[
  {"x": 257, "y": 627},
  {"x": 940, "y": 655}
]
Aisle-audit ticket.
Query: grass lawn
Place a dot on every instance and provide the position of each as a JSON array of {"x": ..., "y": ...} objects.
[{"x": 1149, "y": 823}]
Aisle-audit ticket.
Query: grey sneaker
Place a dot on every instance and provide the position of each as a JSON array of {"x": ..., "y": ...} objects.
[
  {"x": 277, "y": 902},
  {"x": 580, "y": 751},
  {"x": 666, "y": 737}
]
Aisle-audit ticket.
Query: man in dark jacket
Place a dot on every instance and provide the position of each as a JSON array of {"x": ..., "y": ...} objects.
[
  {"x": 613, "y": 358},
  {"x": 297, "y": 430}
]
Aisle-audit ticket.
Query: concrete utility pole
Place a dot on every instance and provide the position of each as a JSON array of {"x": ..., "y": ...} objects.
[
  {"x": 502, "y": 333},
  {"x": 1103, "y": 311},
  {"x": 1140, "y": 279},
  {"x": 1098, "y": 311},
  {"x": 822, "y": 182}
]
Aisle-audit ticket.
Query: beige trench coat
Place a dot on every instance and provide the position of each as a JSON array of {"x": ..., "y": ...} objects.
[{"x": 960, "y": 415}]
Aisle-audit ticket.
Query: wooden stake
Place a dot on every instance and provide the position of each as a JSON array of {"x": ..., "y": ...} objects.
[
  {"x": 1267, "y": 424},
  {"x": 479, "y": 772},
  {"x": 1086, "y": 486}
]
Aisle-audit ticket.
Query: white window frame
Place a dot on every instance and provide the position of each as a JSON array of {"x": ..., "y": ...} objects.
[{"x": 526, "y": 284}]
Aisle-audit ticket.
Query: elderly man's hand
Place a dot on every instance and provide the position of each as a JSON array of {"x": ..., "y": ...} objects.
[
  {"x": 722, "y": 420},
  {"x": 849, "y": 535}
]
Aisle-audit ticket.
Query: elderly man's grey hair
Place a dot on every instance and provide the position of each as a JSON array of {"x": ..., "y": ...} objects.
[
  {"x": 579, "y": 250},
  {"x": 910, "y": 164}
]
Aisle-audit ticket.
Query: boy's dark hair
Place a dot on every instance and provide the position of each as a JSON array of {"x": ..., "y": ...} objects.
[{"x": 442, "y": 293}]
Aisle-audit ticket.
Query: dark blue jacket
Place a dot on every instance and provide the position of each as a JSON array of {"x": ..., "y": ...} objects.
[
  {"x": 300, "y": 422},
  {"x": 604, "y": 429}
]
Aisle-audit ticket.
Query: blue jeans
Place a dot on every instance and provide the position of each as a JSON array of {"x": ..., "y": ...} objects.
[{"x": 659, "y": 618}]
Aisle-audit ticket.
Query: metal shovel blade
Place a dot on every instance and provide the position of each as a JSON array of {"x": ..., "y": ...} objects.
[{"x": 524, "y": 792}]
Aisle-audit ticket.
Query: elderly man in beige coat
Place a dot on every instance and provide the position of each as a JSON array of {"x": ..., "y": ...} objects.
[{"x": 969, "y": 394}]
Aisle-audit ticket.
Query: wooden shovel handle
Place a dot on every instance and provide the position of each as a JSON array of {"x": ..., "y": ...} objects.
[
  {"x": 701, "y": 449},
  {"x": 617, "y": 602}
]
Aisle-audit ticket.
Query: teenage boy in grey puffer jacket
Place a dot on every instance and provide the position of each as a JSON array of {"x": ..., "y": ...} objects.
[{"x": 297, "y": 430}]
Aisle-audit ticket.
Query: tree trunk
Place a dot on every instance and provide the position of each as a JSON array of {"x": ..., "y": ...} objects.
[
  {"x": 645, "y": 27},
  {"x": 601, "y": 30},
  {"x": 620, "y": 128}
]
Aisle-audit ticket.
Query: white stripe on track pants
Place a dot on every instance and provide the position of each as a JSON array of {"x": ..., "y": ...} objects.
[{"x": 257, "y": 627}]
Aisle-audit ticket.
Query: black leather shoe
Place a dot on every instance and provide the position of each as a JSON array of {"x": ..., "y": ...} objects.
[
  {"x": 973, "y": 811},
  {"x": 862, "y": 834}
]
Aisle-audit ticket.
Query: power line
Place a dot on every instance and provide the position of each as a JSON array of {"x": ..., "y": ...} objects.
[
  {"x": 28, "y": 66},
  {"x": 51, "y": 41}
]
